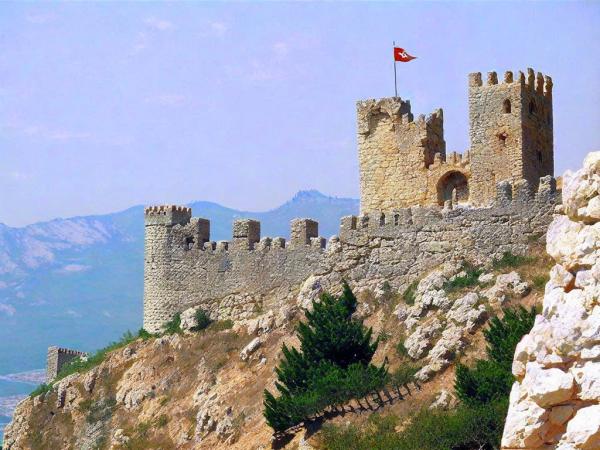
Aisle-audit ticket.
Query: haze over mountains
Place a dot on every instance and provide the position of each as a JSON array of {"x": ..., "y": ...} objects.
[{"x": 78, "y": 282}]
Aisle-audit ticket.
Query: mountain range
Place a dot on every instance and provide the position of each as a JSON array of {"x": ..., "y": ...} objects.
[{"x": 78, "y": 282}]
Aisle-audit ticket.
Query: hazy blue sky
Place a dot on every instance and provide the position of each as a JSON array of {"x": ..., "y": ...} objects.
[{"x": 103, "y": 106}]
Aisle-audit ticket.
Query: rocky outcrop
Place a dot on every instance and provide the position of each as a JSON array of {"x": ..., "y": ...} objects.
[{"x": 555, "y": 402}]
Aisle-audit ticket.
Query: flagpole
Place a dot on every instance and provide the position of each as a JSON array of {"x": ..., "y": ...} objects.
[{"x": 395, "y": 79}]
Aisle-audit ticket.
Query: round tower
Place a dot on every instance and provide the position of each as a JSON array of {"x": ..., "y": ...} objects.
[{"x": 160, "y": 302}]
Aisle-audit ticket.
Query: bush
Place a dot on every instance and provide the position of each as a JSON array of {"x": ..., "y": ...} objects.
[
  {"x": 41, "y": 389},
  {"x": 508, "y": 260},
  {"x": 410, "y": 293},
  {"x": 504, "y": 334},
  {"x": 539, "y": 281},
  {"x": 162, "y": 421},
  {"x": 470, "y": 279},
  {"x": 492, "y": 379},
  {"x": 331, "y": 367},
  {"x": 202, "y": 320},
  {"x": 401, "y": 350},
  {"x": 174, "y": 325},
  {"x": 464, "y": 428},
  {"x": 221, "y": 325},
  {"x": 144, "y": 335}
]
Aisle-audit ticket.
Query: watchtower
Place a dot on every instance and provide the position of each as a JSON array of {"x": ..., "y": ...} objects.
[
  {"x": 510, "y": 131},
  {"x": 393, "y": 152}
]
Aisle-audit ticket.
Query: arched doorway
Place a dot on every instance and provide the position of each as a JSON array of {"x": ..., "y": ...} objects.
[{"x": 453, "y": 186}]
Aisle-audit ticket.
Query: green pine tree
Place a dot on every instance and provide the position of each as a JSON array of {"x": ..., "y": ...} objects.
[
  {"x": 331, "y": 367},
  {"x": 492, "y": 378}
]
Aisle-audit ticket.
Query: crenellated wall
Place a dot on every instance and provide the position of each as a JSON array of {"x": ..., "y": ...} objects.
[
  {"x": 236, "y": 279},
  {"x": 511, "y": 130},
  {"x": 57, "y": 358},
  {"x": 403, "y": 162}
]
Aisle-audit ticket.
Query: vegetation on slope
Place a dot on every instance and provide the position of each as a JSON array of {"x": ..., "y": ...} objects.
[
  {"x": 332, "y": 366},
  {"x": 478, "y": 421}
]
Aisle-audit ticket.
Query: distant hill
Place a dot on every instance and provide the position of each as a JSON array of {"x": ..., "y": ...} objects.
[{"x": 78, "y": 282}]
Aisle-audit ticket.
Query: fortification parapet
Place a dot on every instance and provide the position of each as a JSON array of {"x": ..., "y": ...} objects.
[
  {"x": 167, "y": 215},
  {"x": 246, "y": 233},
  {"x": 420, "y": 206},
  {"x": 57, "y": 358},
  {"x": 547, "y": 189},
  {"x": 302, "y": 231}
]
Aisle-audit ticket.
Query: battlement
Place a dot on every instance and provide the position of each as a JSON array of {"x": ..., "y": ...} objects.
[
  {"x": 233, "y": 279},
  {"x": 419, "y": 207},
  {"x": 450, "y": 159},
  {"x": 167, "y": 215},
  {"x": 57, "y": 358},
  {"x": 514, "y": 196},
  {"x": 245, "y": 237},
  {"x": 540, "y": 84}
]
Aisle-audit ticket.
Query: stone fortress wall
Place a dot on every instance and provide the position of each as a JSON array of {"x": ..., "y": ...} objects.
[
  {"x": 403, "y": 162},
  {"x": 236, "y": 279},
  {"x": 57, "y": 358},
  {"x": 420, "y": 207}
]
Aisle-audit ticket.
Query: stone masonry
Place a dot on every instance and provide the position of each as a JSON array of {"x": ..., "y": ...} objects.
[
  {"x": 497, "y": 197},
  {"x": 404, "y": 163},
  {"x": 57, "y": 358},
  {"x": 236, "y": 279}
]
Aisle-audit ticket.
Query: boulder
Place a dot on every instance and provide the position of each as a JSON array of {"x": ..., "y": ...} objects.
[
  {"x": 583, "y": 430},
  {"x": 421, "y": 339},
  {"x": 555, "y": 400},
  {"x": 249, "y": 349},
  {"x": 444, "y": 401},
  {"x": 547, "y": 387}
]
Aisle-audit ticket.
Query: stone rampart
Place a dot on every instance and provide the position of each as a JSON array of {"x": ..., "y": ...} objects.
[
  {"x": 237, "y": 279},
  {"x": 57, "y": 358}
]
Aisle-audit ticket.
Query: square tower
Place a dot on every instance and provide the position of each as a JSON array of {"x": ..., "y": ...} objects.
[
  {"x": 511, "y": 131},
  {"x": 394, "y": 152}
]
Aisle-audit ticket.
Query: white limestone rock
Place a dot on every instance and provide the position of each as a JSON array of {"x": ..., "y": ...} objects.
[
  {"x": 420, "y": 340},
  {"x": 310, "y": 291},
  {"x": 525, "y": 422},
  {"x": 432, "y": 282},
  {"x": 573, "y": 244},
  {"x": 555, "y": 401},
  {"x": 485, "y": 278},
  {"x": 465, "y": 312},
  {"x": 449, "y": 344},
  {"x": 188, "y": 319},
  {"x": 252, "y": 346},
  {"x": 583, "y": 430},
  {"x": 444, "y": 401},
  {"x": 547, "y": 387},
  {"x": 587, "y": 378},
  {"x": 581, "y": 190}
]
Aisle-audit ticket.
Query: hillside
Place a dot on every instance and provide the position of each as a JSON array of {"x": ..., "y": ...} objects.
[
  {"x": 78, "y": 282},
  {"x": 204, "y": 389}
]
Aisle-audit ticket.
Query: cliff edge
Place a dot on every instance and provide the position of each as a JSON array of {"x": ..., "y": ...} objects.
[{"x": 555, "y": 402}]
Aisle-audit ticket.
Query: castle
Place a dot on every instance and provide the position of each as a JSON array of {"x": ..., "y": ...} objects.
[
  {"x": 404, "y": 162},
  {"x": 419, "y": 208}
]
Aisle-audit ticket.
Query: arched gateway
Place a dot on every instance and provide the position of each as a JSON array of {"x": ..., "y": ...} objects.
[{"x": 453, "y": 186}]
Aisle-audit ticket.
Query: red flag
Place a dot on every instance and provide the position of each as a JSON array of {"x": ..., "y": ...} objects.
[{"x": 401, "y": 55}]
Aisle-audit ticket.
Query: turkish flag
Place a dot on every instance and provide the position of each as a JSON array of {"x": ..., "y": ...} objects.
[{"x": 401, "y": 55}]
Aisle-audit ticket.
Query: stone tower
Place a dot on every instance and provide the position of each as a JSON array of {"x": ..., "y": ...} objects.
[
  {"x": 158, "y": 262},
  {"x": 510, "y": 131},
  {"x": 394, "y": 151}
]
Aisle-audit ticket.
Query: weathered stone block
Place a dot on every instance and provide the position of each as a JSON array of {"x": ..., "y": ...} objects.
[{"x": 302, "y": 230}]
